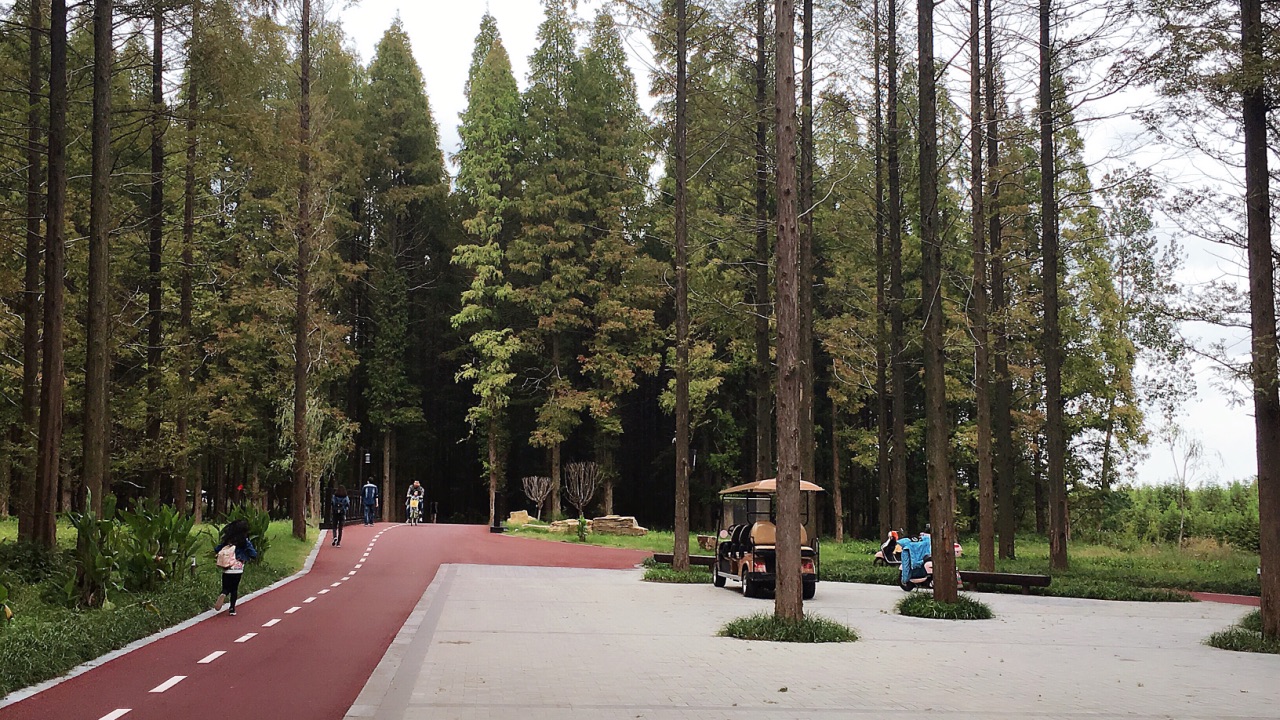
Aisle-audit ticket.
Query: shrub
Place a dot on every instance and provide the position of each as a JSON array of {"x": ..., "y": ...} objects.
[
  {"x": 810, "y": 629},
  {"x": 159, "y": 545},
  {"x": 922, "y": 605},
  {"x": 666, "y": 574},
  {"x": 1239, "y": 639},
  {"x": 1252, "y": 621},
  {"x": 97, "y": 545},
  {"x": 30, "y": 563}
]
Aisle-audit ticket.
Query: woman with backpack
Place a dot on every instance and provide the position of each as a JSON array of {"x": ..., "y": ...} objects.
[
  {"x": 341, "y": 504},
  {"x": 233, "y": 552}
]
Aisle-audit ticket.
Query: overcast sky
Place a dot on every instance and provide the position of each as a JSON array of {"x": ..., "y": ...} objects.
[{"x": 443, "y": 34}]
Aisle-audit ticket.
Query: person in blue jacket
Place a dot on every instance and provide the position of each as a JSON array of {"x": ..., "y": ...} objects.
[
  {"x": 369, "y": 493},
  {"x": 235, "y": 534}
]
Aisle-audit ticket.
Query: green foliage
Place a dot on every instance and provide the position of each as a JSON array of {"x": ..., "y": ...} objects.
[
  {"x": 1240, "y": 639},
  {"x": 1252, "y": 621},
  {"x": 810, "y": 629},
  {"x": 259, "y": 526},
  {"x": 29, "y": 563},
  {"x": 663, "y": 573},
  {"x": 922, "y": 605},
  {"x": 1156, "y": 514},
  {"x": 158, "y": 545},
  {"x": 96, "y": 553}
]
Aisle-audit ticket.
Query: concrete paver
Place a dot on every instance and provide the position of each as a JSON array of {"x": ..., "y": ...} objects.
[{"x": 534, "y": 643}]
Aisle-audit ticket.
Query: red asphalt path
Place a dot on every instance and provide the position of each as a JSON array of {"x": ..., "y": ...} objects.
[
  {"x": 1248, "y": 600},
  {"x": 313, "y": 662}
]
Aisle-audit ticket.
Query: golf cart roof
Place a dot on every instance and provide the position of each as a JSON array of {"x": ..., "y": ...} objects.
[{"x": 767, "y": 486}]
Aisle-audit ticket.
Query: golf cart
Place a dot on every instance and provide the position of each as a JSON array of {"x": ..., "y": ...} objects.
[{"x": 745, "y": 552}]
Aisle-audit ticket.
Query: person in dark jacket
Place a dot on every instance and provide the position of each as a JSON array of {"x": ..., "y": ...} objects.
[
  {"x": 370, "y": 495},
  {"x": 341, "y": 503},
  {"x": 235, "y": 534}
]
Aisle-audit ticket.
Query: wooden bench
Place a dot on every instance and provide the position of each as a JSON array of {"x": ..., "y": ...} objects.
[
  {"x": 703, "y": 560},
  {"x": 972, "y": 579}
]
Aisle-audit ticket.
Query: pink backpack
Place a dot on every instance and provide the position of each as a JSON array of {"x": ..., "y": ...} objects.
[{"x": 227, "y": 557}]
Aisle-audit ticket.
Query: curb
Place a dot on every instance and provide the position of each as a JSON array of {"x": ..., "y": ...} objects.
[{"x": 19, "y": 695}]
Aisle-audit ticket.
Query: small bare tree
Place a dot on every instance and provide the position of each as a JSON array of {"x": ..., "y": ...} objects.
[
  {"x": 581, "y": 481},
  {"x": 537, "y": 488}
]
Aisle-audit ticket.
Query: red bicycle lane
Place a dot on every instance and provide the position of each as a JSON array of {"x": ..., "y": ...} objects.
[{"x": 304, "y": 649}]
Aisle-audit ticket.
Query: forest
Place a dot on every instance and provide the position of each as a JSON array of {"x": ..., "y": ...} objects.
[{"x": 239, "y": 268}]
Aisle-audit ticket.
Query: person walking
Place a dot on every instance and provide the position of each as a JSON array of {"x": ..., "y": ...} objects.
[
  {"x": 235, "y": 540},
  {"x": 370, "y": 494},
  {"x": 341, "y": 504}
]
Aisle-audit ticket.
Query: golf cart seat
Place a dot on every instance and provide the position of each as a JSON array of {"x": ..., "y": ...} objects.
[
  {"x": 765, "y": 534},
  {"x": 738, "y": 540}
]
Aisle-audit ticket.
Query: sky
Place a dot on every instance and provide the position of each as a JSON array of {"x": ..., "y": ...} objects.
[{"x": 443, "y": 33}]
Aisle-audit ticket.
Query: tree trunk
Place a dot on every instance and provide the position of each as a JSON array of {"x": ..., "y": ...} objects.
[
  {"x": 978, "y": 307},
  {"x": 155, "y": 248},
  {"x": 764, "y": 365},
  {"x": 302, "y": 321},
  {"x": 883, "y": 471},
  {"x": 219, "y": 486},
  {"x": 941, "y": 490},
  {"x": 1266, "y": 402},
  {"x": 1055, "y": 437},
  {"x": 389, "y": 510},
  {"x": 680, "y": 551},
  {"x": 807, "y": 278},
  {"x": 1002, "y": 397},
  {"x": 555, "y": 481},
  {"x": 53, "y": 377},
  {"x": 898, "y": 446},
  {"x": 24, "y": 488},
  {"x": 494, "y": 469},
  {"x": 837, "y": 496},
  {"x": 97, "y": 341},
  {"x": 186, "y": 356},
  {"x": 555, "y": 449},
  {"x": 788, "y": 603},
  {"x": 1037, "y": 478}
]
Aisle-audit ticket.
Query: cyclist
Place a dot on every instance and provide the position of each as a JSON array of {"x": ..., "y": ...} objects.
[{"x": 413, "y": 502}]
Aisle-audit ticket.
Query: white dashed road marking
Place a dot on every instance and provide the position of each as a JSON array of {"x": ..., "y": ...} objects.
[
  {"x": 336, "y": 584},
  {"x": 168, "y": 683},
  {"x": 359, "y": 565},
  {"x": 292, "y": 610},
  {"x": 323, "y": 591},
  {"x": 246, "y": 637},
  {"x": 116, "y": 714},
  {"x": 271, "y": 623},
  {"x": 310, "y": 599},
  {"x": 211, "y": 657}
]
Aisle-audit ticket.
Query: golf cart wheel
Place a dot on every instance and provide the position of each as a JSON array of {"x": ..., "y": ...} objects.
[
  {"x": 906, "y": 586},
  {"x": 716, "y": 578},
  {"x": 748, "y": 586},
  {"x": 810, "y": 589},
  {"x": 879, "y": 562}
]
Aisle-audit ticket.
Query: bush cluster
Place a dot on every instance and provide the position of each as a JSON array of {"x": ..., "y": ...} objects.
[
  {"x": 922, "y": 605},
  {"x": 1157, "y": 514},
  {"x": 1245, "y": 636},
  {"x": 810, "y": 629}
]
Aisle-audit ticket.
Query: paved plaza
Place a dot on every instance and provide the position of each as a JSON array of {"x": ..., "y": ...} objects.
[{"x": 543, "y": 643}]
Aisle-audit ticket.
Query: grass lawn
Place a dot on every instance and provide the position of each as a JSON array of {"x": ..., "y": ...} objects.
[
  {"x": 46, "y": 638},
  {"x": 1141, "y": 573}
]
